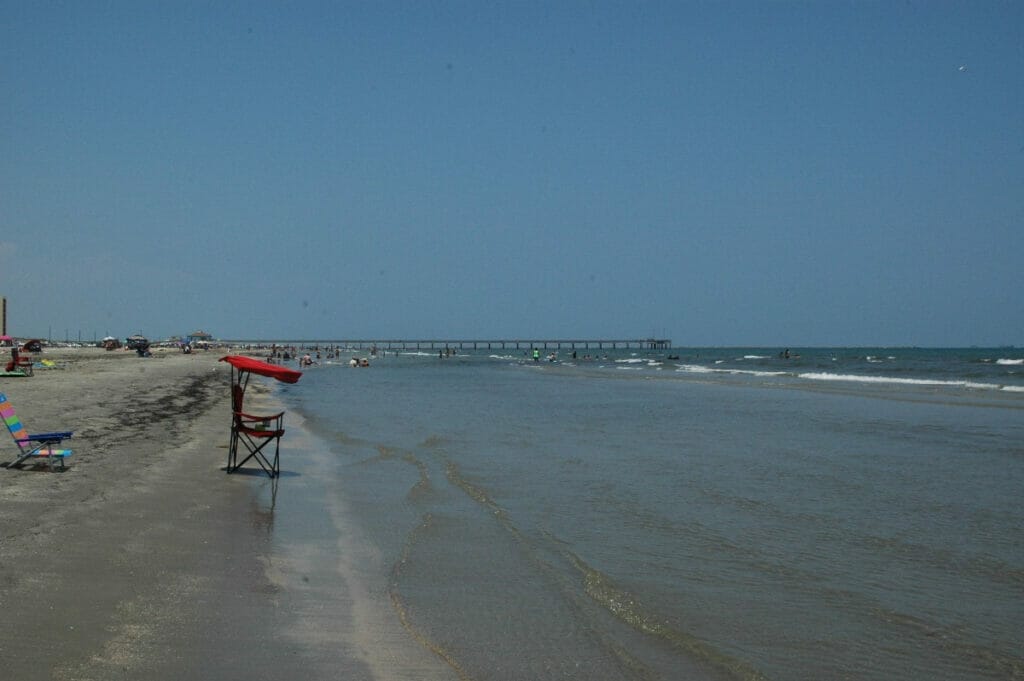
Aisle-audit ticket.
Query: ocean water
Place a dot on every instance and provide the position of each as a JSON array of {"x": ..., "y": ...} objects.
[{"x": 842, "y": 513}]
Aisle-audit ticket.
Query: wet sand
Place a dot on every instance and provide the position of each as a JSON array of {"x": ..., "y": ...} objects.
[{"x": 145, "y": 560}]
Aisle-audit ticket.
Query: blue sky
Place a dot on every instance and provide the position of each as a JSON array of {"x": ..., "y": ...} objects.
[{"x": 749, "y": 173}]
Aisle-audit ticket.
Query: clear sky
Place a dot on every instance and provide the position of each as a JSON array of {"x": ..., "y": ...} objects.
[{"x": 719, "y": 173}]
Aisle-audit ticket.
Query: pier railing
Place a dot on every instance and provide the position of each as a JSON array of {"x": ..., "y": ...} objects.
[{"x": 471, "y": 344}]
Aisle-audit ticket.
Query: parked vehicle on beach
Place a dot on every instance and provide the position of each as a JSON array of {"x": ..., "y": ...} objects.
[{"x": 137, "y": 341}]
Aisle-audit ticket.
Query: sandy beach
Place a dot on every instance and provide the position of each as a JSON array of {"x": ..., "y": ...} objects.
[{"x": 143, "y": 559}]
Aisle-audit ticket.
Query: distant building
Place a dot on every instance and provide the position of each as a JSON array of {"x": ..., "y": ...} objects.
[{"x": 198, "y": 337}]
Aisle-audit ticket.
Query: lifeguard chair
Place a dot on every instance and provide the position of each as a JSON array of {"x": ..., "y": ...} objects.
[{"x": 253, "y": 432}]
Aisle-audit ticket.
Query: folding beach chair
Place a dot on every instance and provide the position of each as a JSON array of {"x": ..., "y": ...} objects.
[
  {"x": 255, "y": 433},
  {"x": 25, "y": 365},
  {"x": 40, "y": 446}
]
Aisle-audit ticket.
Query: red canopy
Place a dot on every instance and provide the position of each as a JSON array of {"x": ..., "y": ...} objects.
[{"x": 262, "y": 368}]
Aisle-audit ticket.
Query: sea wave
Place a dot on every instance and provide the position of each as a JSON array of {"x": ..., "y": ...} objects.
[
  {"x": 696, "y": 369},
  {"x": 873, "y": 379},
  {"x": 1010, "y": 362},
  {"x": 752, "y": 372},
  {"x": 854, "y": 378},
  {"x": 700, "y": 369}
]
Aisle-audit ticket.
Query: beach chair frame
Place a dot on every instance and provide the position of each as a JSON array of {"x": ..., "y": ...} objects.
[
  {"x": 25, "y": 365},
  {"x": 41, "y": 446},
  {"x": 251, "y": 433}
]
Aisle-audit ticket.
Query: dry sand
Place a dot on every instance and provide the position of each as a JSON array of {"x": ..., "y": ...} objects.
[
  {"x": 102, "y": 564},
  {"x": 143, "y": 560}
]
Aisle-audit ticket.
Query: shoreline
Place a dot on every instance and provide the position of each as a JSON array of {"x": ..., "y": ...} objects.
[{"x": 144, "y": 560}]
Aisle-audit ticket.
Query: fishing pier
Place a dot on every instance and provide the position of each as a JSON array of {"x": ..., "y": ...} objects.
[{"x": 473, "y": 344}]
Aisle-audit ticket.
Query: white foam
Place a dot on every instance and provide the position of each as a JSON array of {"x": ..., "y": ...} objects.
[
  {"x": 898, "y": 381},
  {"x": 755, "y": 356},
  {"x": 1010, "y": 362},
  {"x": 698, "y": 369},
  {"x": 981, "y": 386},
  {"x": 1014, "y": 388},
  {"x": 695, "y": 369},
  {"x": 817, "y": 376},
  {"x": 632, "y": 360}
]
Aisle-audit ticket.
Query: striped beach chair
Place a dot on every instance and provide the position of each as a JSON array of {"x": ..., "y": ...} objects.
[{"x": 42, "y": 446}]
